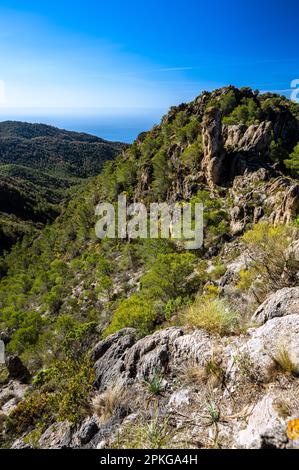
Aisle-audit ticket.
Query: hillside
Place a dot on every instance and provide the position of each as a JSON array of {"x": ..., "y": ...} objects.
[
  {"x": 38, "y": 165},
  {"x": 140, "y": 343}
]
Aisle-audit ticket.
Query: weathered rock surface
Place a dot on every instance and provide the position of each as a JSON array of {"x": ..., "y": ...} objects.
[
  {"x": 283, "y": 302},
  {"x": 57, "y": 436},
  {"x": 277, "y": 338},
  {"x": 265, "y": 429},
  {"x": 11, "y": 394},
  {"x": 164, "y": 351},
  {"x": 289, "y": 206},
  {"x": 214, "y": 153}
]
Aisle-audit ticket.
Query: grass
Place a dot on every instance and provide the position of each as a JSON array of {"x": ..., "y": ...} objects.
[
  {"x": 214, "y": 316},
  {"x": 154, "y": 434},
  {"x": 155, "y": 385},
  {"x": 211, "y": 373},
  {"x": 283, "y": 360},
  {"x": 213, "y": 413},
  {"x": 106, "y": 404}
]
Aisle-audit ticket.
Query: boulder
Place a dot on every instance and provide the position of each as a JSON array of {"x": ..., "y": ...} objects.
[
  {"x": 57, "y": 436},
  {"x": 163, "y": 351},
  {"x": 88, "y": 429},
  {"x": 278, "y": 338},
  {"x": 265, "y": 429},
  {"x": 107, "y": 355},
  {"x": 283, "y": 302}
]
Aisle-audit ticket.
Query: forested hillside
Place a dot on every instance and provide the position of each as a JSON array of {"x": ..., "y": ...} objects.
[{"x": 38, "y": 166}]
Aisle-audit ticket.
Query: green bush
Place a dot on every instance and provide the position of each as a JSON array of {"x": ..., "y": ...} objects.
[
  {"x": 169, "y": 277},
  {"x": 136, "y": 312},
  {"x": 248, "y": 112},
  {"x": 267, "y": 247},
  {"x": 293, "y": 162}
]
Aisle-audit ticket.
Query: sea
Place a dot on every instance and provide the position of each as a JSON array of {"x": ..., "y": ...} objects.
[{"x": 110, "y": 124}]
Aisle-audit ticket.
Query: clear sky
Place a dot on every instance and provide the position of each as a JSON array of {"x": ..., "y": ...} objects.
[{"x": 144, "y": 54}]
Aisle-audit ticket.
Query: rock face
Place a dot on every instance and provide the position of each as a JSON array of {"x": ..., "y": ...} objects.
[
  {"x": 232, "y": 150},
  {"x": 57, "y": 436},
  {"x": 283, "y": 302},
  {"x": 265, "y": 428},
  {"x": 289, "y": 206},
  {"x": 17, "y": 370},
  {"x": 256, "y": 138},
  {"x": 214, "y": 154},
  {"x": 118, "y": 359},
  {"x": 274, "y": 343}
]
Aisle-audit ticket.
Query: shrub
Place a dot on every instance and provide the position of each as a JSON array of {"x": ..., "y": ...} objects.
[
  {"x": 28, "y": 412},
  {"x": 277, "y": 151},
  {"x": 106, "y": 404},
  {"x": 266, "y": 246},
  {"x": 248, "y": 112},
  {"x": 168, "y": 278},
  {"x": 214, "y": 316},
  {"x": 75, "y": 385},
  {"x": 136, "y": 312},
  {"x": 293, "y": 162}
]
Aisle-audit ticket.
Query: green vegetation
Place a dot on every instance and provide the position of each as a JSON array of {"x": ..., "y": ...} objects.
[
  {"x": 213, "y": 315},
  {"x": 248, "y": 112},
  {"x": 293, "y": 161},
  {"x": 145, "y": 434},
  {"x": 267, "y": 247},
  {"x": 59, "y": 284},
  {"x": 168, "y": 279},
  {"x": 40, "y": 166}
]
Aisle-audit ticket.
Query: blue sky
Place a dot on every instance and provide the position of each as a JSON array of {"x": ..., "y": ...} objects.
[{"x": 142, "y": 54}]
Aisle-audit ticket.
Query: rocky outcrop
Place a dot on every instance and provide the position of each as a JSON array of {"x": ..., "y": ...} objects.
[
  {"x": 283, "y": 302},
  {"x": 265, "y": 429},
  {"x": 272, "y": 346},
  {"x": 213, "y": 163},
  {"x": 57, "y": 436},
  {"x": 287, "y": 210},
  {"x": 256, "y": 139},
  {"x": 120, "y": 359}
]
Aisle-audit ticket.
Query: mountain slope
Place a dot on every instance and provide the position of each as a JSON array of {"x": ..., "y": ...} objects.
[
  {"x": 77, "y": 310},
  {"x": 38, "y": 165}
]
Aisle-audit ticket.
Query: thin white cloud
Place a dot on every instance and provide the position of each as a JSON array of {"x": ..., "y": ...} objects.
[{"x": 174, "y": 69}]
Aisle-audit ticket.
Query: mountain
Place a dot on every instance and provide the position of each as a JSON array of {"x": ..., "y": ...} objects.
[
  {"x": 38, "y": 166},
  {"x": 120, "y": 343}
]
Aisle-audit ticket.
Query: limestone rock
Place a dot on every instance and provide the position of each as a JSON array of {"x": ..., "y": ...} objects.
[
  {"x": 214, "y": 153},
  {"x": 88, "y": 429},
  {"x": 164, "y": 351},
  {"x": 257, "y": 138},
  {"x": 278, "y": 336},
  {"x": 57, "y": 436},
  {"x": 289, "y": 206},
  {"x": 284, "y": 302},
  {"x": 265, "y": 428}
]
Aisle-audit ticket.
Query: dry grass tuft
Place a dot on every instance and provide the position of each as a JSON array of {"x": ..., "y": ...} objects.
[
  {"x": 283, "y": 360},
  {"x": 213, "y": 315},
  {"x": 106, "y": 404}
]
